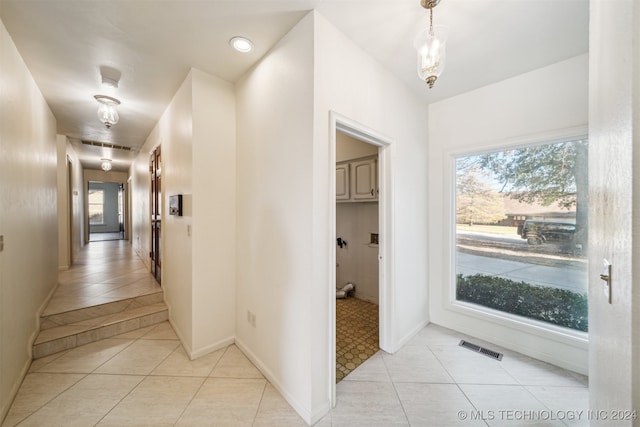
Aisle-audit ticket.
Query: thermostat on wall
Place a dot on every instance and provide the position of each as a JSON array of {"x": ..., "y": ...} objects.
[{"x": 175, "y": 205}]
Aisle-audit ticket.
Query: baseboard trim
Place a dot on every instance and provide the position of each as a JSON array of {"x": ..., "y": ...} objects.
[
  {"x": 194, "y": 354},
  {"x": 403, "y": 341},
  {"x": 14, "y": 391},
  {"x": 27, "y": 364},
  {"x": 304, "y": 412}
]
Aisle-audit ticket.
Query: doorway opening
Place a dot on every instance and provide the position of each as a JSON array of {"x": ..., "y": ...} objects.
[
  {"x": 106, "y": 211},
  {"x": 155, "y": 167},
  {"x": 361, "y": 254},
  {"x": 357, "y": 236}
]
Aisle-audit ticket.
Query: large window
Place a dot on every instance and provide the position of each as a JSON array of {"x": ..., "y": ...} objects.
[
  {"x": 521, "y": 232},
  {"x": 96, "y": 206}
]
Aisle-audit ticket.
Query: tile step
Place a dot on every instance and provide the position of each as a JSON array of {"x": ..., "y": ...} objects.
[
  {"x": 73, "y": 316},
  {"x": 65, "y": 337}
]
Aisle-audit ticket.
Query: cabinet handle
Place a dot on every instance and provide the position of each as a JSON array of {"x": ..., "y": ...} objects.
[{"x": 372, "y": 192}]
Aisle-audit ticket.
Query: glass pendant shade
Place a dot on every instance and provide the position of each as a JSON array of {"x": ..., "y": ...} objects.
[
  {"x": 430, "y": 45},
  {"x": 107, "y": 112},
  {"x": 106, "y": 165}
]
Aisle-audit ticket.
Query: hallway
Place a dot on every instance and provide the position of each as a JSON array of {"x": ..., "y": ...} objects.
[{"x": 106, "y": 292}]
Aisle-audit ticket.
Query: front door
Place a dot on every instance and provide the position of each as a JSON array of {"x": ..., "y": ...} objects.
[{"x": 155, "y": 168}]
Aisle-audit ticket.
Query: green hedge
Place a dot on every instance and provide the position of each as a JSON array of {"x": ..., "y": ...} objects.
[{"x": 552, "y": 305}]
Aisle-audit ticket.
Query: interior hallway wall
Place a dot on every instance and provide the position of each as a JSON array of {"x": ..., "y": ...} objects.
[
  {"x": 532, "y": 107},
  {"x": 275, "y": 207},
  {"x": 28, "y": 215},
  {"x": 614, "y": 208},
  {"x": 197, "y": 138},
  {"x": 351, "y": 83},
  {"x": 70, "y": 212},
  {"x": 283, "y": 204}
]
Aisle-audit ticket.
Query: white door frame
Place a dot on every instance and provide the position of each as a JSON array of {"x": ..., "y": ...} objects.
[{"x": 386, "y": 287}]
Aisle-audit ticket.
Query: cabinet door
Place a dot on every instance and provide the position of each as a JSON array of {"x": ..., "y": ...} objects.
[
  {"x": 342, "y": 182},
  {"x": 364, "y": 180}
]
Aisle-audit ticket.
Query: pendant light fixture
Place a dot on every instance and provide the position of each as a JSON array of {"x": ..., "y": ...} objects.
[
  {"x": 430, "y": 46},
  {"x": 106, "y": 165},
  {"x": 107, "y": 112}
]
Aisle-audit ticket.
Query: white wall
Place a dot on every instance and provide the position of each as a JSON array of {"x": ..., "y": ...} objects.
[
  {"x": 357, "y": 262},
  {"x": 28, "y": 215},
  {"x": 284, "y": 202},
  {"x": 274, "y": 214},
  {"x": 197, "y": 138},
  {"x": 614, "y": 201},
  {"x": 549, "y": 102},
  {"x": 349, "y": 82}
]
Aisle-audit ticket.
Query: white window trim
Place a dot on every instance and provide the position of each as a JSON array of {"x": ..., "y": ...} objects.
[{"x": 529, "y": 326}]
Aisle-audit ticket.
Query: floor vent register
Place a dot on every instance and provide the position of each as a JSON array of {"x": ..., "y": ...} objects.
[{"x": 489, "y": 353}]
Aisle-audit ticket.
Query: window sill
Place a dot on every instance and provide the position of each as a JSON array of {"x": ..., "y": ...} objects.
[{"x": 542, "y": 329}]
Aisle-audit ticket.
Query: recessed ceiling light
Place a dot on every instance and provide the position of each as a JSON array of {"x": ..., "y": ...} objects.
[{"x": 241, "y": 44}]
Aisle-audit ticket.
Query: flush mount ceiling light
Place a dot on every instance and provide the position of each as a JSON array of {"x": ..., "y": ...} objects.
[
  {"x": 430, "y": 45},
  {"x": 106, "y": 165},
  {"x": 109, "y": 82},
  {"x": 241, "y": 44},
  {"x": 107, "y": 112}
]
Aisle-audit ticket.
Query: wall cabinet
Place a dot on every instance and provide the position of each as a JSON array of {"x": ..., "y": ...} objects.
[
  {"x": 357, "y": 180},
  {"x": 342, "y": 181}
]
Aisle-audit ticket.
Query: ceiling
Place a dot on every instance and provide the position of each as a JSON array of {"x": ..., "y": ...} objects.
[{"x": 153, "y": 44}]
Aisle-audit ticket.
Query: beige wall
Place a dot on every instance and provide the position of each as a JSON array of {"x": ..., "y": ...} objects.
[
  {"x": 174, "y": 134},
  {"x": 274, "y": 211},
  {"x": 348, "y": 148},
  {"x": 28, "y": 215},
  {"x": 614, "y": 207},
  {"x": 214, "y": 212},
  {"x": 197, "y": 138},
  {"x": 71, "y": 206}
]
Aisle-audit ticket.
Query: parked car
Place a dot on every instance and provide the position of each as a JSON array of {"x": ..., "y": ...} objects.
[{"x": 538, "y": 232}]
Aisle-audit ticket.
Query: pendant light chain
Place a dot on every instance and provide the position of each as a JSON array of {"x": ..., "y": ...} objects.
[{"x": 431, "y": 21}]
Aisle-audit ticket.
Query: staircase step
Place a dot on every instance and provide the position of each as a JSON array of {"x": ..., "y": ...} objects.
[
  {"x": 74, "y": 316},
  {"x": 90, "y": 329}
]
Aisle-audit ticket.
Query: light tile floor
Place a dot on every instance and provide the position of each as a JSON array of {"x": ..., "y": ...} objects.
[
  {"x": 102, "y": 272},
  {"x": 144, "y": 378}
]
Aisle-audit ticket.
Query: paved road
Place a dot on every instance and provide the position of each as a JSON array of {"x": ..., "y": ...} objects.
[
  {"x": 492, "y": 237},
  {"x": 563, "y": 278}
]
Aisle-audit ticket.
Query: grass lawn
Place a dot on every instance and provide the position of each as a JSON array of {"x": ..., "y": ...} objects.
[{"x": 496, "y": 229}]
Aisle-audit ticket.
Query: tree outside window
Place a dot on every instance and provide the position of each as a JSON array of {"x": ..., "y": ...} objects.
[{"x": 521, "y": 233}]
